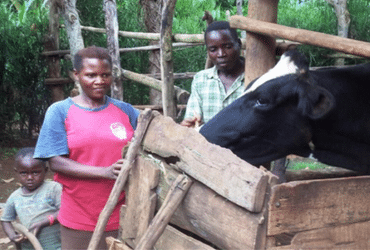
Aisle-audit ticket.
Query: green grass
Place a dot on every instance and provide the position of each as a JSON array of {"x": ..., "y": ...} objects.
[{"x": 306, "y": 165}]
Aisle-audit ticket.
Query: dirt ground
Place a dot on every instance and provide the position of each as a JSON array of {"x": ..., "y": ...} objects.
[{"x": 9, "y": 183}]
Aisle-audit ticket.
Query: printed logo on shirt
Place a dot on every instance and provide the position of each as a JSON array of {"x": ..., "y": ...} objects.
[{"x": 119, "y": 130}]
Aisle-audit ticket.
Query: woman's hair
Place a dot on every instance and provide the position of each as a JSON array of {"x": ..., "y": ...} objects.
[
  {"x": 221, "y": 25},
  {"x": 90, "y": 52}
]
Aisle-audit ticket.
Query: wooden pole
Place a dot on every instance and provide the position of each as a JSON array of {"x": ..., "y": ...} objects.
[
  {"x": 52, "y": 44},
  {"x": 260, "y": 49},
  {"x": 30, "y": 236},
  {"x": 180, "y": 94},
  {"x": 144, "y": 121},
  {"x": 173, "y": 199},
  {"x": 111, "y": 25},
  {"x": 169, "y": 105},
  {"x": 73, "y": 29},
  {"x": 345, "y": 45}
]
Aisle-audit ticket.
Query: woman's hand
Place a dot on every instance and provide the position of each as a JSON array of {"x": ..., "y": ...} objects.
[{"x": 114, "y": 169}]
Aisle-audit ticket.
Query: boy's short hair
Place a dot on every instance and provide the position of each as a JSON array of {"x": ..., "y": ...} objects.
[
  {"x": 27, "y": 152},
  {"x": 90, "y": 52},
  {"x": 221, "y": 25}
]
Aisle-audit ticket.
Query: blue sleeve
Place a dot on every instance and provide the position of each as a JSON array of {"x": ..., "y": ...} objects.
[
  {"x": 52, "y": 140},
  {"x": 132, "y": 112},
  {"x": 9, "y": 213}
]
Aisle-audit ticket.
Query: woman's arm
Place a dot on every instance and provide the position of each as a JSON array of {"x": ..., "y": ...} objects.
[{"x": 67, "y": 166}]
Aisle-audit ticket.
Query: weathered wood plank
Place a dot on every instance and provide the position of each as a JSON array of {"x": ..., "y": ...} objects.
[
  {"x": 306, "y": 205},
  {"x": 174, "y": 197},
  {"x": 349, "y": 236},
  {"x": 211, "y": 216},
  {"x": 140, "y": 200},
  {"x": 174, "y": 239},
  {"x": 216, "y": 167}
]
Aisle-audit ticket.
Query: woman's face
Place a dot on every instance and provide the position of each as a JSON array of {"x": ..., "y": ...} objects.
[{"x": 95, "y": 78}]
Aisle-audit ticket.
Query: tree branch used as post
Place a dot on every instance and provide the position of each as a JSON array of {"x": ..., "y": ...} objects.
[
  {"x": 111, "y": 25},
  {"x": 73, "y": 28},
  {"x": 145, "y": 119},
  {"x": 52, "y": 44},
  {"x": 169, "y": 105},
  {"x": 260, "y": 49},
  {"x": 173, "y": 199}
]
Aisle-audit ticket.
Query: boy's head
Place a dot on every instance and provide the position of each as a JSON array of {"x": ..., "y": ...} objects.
[
  {"x": 223, "y": 47},
  {"x": 31, "y": 171},
  {"x": 90, "y": 52},
  {"x": 221, "y": 25}
]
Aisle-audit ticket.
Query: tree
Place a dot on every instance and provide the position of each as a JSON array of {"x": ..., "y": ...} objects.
[{"x": 341, "y": 11}]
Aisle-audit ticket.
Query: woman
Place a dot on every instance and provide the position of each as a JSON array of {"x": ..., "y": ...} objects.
[{"x": 82, "y": 137}]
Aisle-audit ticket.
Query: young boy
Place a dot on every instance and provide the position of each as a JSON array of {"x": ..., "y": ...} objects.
[{"x": 36, "y": 203}]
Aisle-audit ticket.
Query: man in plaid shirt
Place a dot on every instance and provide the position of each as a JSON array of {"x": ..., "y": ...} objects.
[{"x": 215, "y": 88}]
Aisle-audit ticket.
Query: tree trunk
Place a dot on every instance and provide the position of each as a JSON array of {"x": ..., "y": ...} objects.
[
  {"x": 260, "y": 49},
  {"x": 52, "y": 44},
  {"x": 73, "y": 29},
  {"x": 169, "y": 105},
  {"x": 340, "y": 7},
  {"x": 152, "y": 11},
  {"x": 111, "y": 25}
]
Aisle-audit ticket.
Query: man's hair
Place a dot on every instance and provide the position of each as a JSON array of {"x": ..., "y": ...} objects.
[
  {"x": 90, "y": 52},
  {"x": 27, "y": 152},
  {"x": 221, "y": 25}
]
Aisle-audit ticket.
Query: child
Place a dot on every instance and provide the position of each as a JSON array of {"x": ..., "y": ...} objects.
[{"x": 36, "y": 203}]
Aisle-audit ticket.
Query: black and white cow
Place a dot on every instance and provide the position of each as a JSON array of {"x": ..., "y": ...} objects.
[{"x": 293, "y": 110}]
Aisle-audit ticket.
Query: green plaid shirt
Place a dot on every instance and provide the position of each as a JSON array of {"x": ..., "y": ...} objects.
[{"x": 208, "y": 95}]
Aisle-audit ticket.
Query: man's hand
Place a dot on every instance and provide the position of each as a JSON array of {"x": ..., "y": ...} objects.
[{"x": 192, "y": 122}]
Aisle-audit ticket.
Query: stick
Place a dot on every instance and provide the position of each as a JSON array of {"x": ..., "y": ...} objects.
[
  {"x": 30, "y": 236},
  {"x": 173, "y": 199},
  {"x": 145, "y": 119},
  {"x": 345, "y": 45}
]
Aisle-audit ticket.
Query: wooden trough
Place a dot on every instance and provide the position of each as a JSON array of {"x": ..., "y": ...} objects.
[{"x": 185, "y": 193}]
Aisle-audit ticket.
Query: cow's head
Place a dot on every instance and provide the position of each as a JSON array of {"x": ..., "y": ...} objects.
[{"x": 273, "y": 117}]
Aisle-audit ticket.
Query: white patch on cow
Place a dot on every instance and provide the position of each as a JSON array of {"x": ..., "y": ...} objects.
[{"x": 285, "y": 66}]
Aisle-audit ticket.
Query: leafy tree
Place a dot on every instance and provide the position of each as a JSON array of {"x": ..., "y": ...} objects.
[{"x": 23, "y": 96}]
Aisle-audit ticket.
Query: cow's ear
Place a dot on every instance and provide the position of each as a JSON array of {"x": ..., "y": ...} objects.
[{"x": 317, "y": 102}]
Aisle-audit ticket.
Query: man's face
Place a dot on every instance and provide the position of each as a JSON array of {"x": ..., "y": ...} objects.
[
  {"x": 222, "y": 49},
  {"x": 95, "y": 78}
]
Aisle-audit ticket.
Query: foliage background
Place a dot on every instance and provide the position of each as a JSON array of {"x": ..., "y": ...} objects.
[{"x": 24, "y": 97}]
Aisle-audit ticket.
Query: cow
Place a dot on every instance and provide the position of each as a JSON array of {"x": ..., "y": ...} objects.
[{"x": 291, "y": 109}]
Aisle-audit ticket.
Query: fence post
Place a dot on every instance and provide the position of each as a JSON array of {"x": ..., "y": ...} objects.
[{"x": 169, "y": 105}]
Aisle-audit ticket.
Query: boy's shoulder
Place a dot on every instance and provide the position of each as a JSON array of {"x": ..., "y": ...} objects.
[
  {"x": 16, "y": 193},
  {"x": 52, "y": 184}
]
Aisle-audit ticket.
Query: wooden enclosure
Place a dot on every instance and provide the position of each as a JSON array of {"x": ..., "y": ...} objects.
[{"x": 185, "y": 193}]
